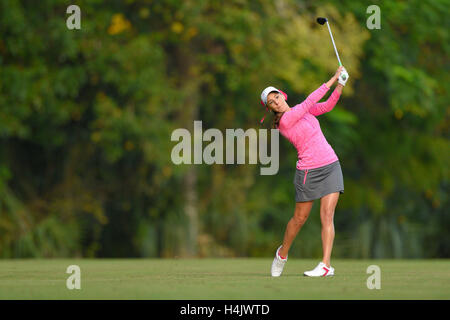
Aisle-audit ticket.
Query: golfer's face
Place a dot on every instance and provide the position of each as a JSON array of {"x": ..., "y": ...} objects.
[{"x": 276, "y": 102}]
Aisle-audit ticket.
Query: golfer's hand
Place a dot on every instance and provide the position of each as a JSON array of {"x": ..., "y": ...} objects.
[
  {"x": 338, "y": 72},
  {"x": 343, "y": 77},
  {"x": 334, "y": 78}
]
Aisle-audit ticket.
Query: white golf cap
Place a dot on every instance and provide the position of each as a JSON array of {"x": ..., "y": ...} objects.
[{"x": 266, "y": 92}]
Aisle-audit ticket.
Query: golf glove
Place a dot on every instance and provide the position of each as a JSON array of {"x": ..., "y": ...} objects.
[{"x": 343, "y": 77}]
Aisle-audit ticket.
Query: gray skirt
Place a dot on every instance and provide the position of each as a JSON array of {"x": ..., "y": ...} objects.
[{"x": 312, "y": 184}]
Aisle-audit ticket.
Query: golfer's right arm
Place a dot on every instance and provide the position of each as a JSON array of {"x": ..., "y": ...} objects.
[
  {"x": 297, "y": 112},
  {"x": 327, "y": 106}
]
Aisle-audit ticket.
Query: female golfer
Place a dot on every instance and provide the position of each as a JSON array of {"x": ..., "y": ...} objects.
[{"x": 318, "y": 172}]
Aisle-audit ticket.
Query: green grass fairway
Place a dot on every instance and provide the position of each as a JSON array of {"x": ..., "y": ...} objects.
[{"x": 221, "y": 279}]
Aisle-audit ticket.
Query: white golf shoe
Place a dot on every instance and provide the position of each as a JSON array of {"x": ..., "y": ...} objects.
[
  {"x": 278, "y": 264},
  {"x": 320, "y": 271}
]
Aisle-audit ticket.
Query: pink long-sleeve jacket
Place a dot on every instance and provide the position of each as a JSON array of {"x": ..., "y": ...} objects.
[{"x": 300, "y": 126}]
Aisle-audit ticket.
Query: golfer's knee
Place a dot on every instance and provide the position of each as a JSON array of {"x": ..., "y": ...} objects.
[
  {"x": 326, "y": 216},
  {"x": 300, "y": 220}
]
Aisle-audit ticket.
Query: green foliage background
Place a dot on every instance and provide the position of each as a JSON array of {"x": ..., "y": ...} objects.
[{"x": 86, "y": 118}]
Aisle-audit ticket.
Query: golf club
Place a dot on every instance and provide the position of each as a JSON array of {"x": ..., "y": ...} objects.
[{"x": 322, "y": 21}]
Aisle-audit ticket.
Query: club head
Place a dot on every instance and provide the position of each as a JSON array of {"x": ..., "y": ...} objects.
[{"x": 321, "y": 20}]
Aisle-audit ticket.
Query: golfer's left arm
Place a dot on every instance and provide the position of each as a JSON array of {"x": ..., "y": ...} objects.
[{"x": 323, "y": 107}]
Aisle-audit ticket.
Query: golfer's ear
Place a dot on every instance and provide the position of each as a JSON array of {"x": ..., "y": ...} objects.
[{"x": 284, "y": 94}]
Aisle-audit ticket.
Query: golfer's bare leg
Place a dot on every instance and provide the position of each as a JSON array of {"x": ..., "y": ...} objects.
[
  {"x": 327, "y": 206},
  {"x": 301, "y": 213}
]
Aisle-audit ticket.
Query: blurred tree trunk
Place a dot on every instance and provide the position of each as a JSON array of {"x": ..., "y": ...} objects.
[
  {"x": 190, "y": 180},
  {"x": 190, "y": 86},
  {"x": 191, "y": 210}
]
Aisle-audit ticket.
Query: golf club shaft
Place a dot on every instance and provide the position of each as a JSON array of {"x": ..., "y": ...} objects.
[{"x": 332, "y": 40}]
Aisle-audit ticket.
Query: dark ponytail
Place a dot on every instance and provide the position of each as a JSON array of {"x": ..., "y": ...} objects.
[{"x": 276, "y": 119}]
